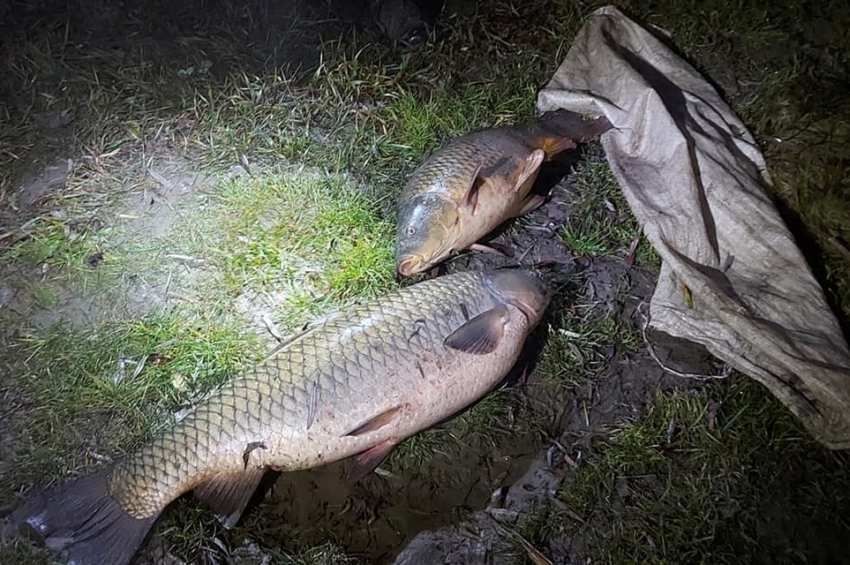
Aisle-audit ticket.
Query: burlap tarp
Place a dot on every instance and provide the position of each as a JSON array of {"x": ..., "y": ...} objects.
[{"x": 732, "y": 277}]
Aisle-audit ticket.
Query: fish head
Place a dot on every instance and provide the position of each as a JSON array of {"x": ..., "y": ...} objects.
[
  {"x": 520, "y": 288},
  {"x": 427, "y": 233}
]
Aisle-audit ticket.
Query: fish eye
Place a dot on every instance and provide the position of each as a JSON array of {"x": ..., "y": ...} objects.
[{"x": 411, "y": 230}]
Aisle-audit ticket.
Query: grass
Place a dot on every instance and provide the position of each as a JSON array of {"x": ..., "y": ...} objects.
[
  {"x": 274, "y": 223},
  {"x": 600, "y": 221},
  {"x": 704, "y": 477},
  {"x": 315, "y": 238},
  {"x": 580, "y": 343},
  {"x": 57, "y": 246},
  {"x": 107, "y": 389}
]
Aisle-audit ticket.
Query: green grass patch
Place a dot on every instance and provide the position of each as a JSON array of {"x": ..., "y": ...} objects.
[
  {"x": 58, "y": 246},
  {"x": 314, "y": 237},
  {"x": 580, "y": 344},
  {"x": 94, "y": 394},
  {"x": 600, "y": 220},
  {"x": 421, "y": 122},
  {"x": 721, "y": 476},
  {"x": 44, "y": 295}
]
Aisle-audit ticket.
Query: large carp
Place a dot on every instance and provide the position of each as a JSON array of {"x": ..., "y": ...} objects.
[
  {"x": 474, "y": 183},
  {"x": 355, "y": 385}
]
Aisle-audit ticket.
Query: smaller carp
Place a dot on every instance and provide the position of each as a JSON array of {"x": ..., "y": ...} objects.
[{"x": 476, "y": 182}]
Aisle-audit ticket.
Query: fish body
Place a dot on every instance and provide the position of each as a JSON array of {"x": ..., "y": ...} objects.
[
  {"x": 355, "y": 385},
  {"x": 476, "y": 182}
]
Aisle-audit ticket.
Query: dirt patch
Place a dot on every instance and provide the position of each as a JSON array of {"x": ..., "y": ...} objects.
[
  {"x": 44, "y": 182},
  {"x": 133, "y": 266},
  {"x": 376, "y": 516},
  {"x": 162, "y": 198}
]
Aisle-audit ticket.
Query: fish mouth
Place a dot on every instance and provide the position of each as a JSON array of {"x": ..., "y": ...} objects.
[
  {"x": 408, "y": 265},
  {"x": 411, "y": 264}
]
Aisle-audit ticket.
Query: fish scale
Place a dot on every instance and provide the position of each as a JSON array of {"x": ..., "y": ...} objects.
[
  {"x": 339, "y": 356},
  {"x": 454, "y": 169}
]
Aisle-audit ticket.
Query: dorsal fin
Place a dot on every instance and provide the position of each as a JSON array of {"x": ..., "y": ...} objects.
[{"x": 512, "y": 173}]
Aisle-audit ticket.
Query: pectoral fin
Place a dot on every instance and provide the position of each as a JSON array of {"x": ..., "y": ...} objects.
[
  {"x": 501, "y": 175},
  {"x": 471, "y": 199},
  {"x": 228, "y": 494},
  {"x": 481, "y": 334},
  {"x": 366, "y": 462},
  {"x": 493, "y": 249},
  {"x": 513, "y": 174},
  {"x": 528, "y": 171}
]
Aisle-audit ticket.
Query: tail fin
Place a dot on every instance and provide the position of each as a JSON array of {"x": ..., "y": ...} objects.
[
  {"x": 574, "y": 126},
  {"x": 81, "y": 522}
]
